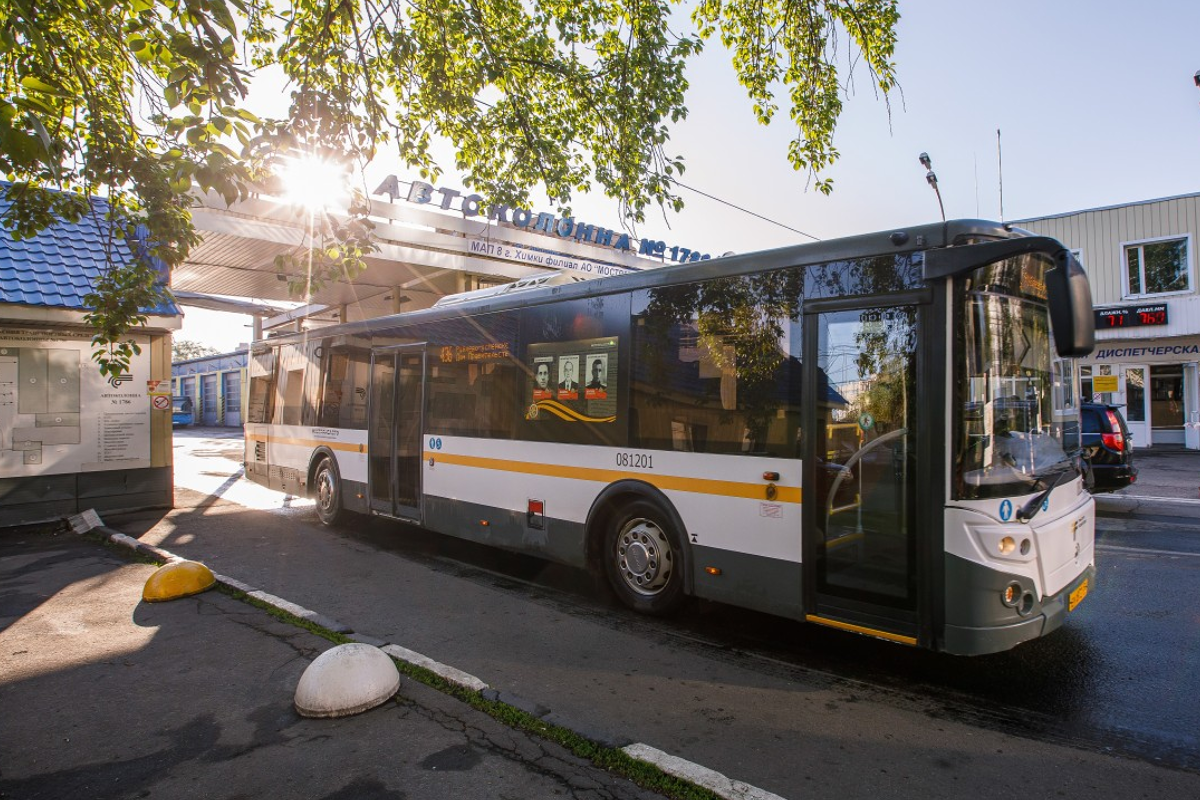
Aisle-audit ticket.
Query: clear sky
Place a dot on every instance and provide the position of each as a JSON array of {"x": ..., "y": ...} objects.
[{"x": 1095, "y": 102}]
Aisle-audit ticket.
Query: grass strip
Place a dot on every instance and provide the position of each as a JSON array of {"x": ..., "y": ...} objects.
[{"x": 285, "y": 616}]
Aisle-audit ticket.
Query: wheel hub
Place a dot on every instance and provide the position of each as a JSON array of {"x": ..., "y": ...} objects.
[
  {"x": 637, "y": 557},
  {"x": 644, "y": 557},
  {"x": 325, "y": 489}
]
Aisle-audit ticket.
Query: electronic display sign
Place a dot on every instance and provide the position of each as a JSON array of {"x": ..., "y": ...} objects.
[{"x": 1131, "y": 316}]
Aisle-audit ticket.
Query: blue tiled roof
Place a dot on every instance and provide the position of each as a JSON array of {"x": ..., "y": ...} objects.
[{"x": 57, "y": 267}]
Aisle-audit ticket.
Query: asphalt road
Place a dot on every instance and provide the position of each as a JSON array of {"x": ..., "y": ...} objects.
[
  {"x": 1104, "y": 707},
  {"x": 105, "y": 696}
]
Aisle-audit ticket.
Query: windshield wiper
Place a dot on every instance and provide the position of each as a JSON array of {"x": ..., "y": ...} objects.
[{"x": 1030, "y": 509}]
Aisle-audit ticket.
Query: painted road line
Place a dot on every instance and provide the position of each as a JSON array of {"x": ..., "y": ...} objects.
[
  {"x": 1187, "y": 501},
  {"x": 1135, "y": 551},
  {"x": 701, "y": 776},
  {"x": 441, "y": 670},
  {"x": 1124, "y": 504}
]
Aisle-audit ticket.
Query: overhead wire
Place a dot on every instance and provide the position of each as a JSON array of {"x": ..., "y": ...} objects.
[
  {"x": 714, "y": 198},
  {"x": 745, "y": 210}
]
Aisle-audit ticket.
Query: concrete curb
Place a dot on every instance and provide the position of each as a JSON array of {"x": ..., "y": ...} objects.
[
  {"x": 704, "y": 777},
  {"x": 715, "y": 782},
  {"x": 446, "y": 673}
]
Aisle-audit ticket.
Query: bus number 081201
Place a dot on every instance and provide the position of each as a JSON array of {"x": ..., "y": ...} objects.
[{"x": 635, "y": 460}]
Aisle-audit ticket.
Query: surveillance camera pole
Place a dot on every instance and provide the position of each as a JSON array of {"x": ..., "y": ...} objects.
[{"x": 931, "y": 178}]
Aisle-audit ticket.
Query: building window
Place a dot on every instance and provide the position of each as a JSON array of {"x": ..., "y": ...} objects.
[{"x": 1157, "y": 267}]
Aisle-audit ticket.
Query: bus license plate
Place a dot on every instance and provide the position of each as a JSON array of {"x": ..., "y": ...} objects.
[{"x": 1077, "y": 595}]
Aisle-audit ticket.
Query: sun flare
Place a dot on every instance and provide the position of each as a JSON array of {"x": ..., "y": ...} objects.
[{"x": 312, "y": 182}]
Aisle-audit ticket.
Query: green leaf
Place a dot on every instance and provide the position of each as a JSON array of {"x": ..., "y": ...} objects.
[
  {"x": 222, "y": 15},
  {"x": 34, "y": 104},
  {"x": 33, "y": 83},
  {"x": 582, "y": 96}
]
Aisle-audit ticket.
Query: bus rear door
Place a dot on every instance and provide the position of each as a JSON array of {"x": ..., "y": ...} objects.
[{"x": 394, "y": 435}]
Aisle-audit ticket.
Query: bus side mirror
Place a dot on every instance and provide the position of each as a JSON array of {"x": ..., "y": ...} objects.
[{"x": 1070, "y": 298}]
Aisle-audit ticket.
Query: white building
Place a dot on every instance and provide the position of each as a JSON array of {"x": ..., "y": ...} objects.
[{"x": 1141, "y": 259}]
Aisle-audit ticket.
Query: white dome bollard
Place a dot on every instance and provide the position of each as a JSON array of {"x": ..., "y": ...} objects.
[{"x": 345, "y": 680}]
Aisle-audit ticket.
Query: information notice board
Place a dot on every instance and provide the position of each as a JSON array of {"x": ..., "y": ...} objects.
[{"x": 58, "y": 414}]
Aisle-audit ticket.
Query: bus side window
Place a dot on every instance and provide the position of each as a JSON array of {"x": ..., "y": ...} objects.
[
  {"x": 343, "y": 401},
  {"x": 262, "y": 393},
  {"x": 291, "y": 391},
  {"x": 473, "y": 399},
  {"x": 261, "y": 400},
  {"x": 295, "y": 403},
  {"x": 332, "y": 393},
  {"x": 702, "y": 384}
]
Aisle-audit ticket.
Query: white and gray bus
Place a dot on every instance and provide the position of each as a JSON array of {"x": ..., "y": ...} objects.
[{"x": 877, "y": 433}]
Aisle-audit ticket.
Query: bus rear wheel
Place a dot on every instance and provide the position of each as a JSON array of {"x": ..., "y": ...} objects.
[
  {"x": 643, "y": 560},
  {"x": 327, "y": 489}
]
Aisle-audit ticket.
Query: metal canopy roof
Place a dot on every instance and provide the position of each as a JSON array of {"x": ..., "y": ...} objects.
[{"x": 423, "y": 255}]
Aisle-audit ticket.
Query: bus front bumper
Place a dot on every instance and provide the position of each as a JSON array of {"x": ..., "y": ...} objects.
[{"x": 1047, "y": 616}]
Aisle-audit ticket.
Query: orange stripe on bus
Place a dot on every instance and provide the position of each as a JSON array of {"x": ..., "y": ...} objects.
[
  {"x": 753, "y": 491},
  {"x": 846, "y": 626}
]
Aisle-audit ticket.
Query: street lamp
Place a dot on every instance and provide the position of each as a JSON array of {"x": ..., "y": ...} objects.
[{"x": 931, "y": 178}]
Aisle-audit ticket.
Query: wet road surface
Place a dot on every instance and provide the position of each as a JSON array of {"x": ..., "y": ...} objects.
[{"x": 1121, "y": 676}]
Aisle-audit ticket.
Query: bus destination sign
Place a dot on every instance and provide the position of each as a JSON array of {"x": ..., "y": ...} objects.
[{"x": 1131, "y": 316}]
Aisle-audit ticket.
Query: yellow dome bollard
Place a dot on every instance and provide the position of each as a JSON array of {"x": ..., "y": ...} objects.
[{"x": 178, "y": 579}]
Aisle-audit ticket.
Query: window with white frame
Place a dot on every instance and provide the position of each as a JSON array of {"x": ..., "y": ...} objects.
[{"x": 1157, "y": 267}]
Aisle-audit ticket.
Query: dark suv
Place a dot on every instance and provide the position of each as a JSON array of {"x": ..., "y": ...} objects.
[{"x": 1107, "y": 447}]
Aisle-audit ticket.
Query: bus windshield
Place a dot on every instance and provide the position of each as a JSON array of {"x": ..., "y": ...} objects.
[{"x": 1019, "y": 421}]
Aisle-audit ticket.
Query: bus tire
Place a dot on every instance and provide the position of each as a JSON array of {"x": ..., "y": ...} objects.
[
  {"x": 327, "y": 491},
  {"x": 643, "y": 559}
]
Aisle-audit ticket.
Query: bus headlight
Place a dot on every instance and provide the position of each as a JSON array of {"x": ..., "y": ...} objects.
[
  {"x": 1014, "y": 596},
  {"x": 1004, "y": 542}
]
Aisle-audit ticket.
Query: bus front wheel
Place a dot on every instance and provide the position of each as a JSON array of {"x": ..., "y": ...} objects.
[
  {"x": 327, "y": 485},
  {"x": 643, "y": 559}
]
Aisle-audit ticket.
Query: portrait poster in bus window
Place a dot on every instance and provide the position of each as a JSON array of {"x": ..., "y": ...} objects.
[
  {"x": 541, "y": 377},
  {"x": 596, "y": 387},
  {"x": 568, "y": 377}
]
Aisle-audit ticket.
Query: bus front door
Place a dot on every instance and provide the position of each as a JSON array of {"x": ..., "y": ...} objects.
[
  {"x": 394, "y": 436},
  {"x": 862, "y": 425}
]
